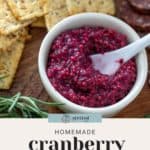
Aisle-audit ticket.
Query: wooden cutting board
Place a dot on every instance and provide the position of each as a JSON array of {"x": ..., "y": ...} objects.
[{"x": 27, "y": 80}]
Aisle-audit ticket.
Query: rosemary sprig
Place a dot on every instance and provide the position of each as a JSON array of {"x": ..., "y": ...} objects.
[{"x": 19, "y": 106}]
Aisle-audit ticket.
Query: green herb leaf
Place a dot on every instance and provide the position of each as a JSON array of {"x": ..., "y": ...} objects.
[
  {"x": 16, "y": 98},
  {"x": 147, "y": 116},
  {"x": 2, "y": 77}
]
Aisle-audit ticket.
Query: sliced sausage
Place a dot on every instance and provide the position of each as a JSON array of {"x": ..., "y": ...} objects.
[
  {"x": 139, "y": 21},
  {"x": 142, "y": 6}
]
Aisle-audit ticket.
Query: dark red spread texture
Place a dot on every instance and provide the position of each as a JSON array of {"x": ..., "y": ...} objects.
[{"x": 70, "y": 70}]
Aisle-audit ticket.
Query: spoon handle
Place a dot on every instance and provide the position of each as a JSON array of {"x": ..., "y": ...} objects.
[{"x": 134, "y": 48}]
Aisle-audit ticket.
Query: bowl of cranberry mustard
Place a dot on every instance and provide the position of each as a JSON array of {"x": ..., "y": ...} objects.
[{"x": 67, "y": 73}]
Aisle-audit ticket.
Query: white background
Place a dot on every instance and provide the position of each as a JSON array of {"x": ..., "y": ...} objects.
[{"x": 15, "y": 134}]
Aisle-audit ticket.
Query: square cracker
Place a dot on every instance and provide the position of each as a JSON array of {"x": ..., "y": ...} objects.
[
  {"x": 40, "y": 22},
  {"x": 26, "y": 9},
  {"x": 8, "y": 22},
  {"x": 9, "y": 61},
  {"x": 57, "y": 11},
  {"x": 7, "y": 40},
  {"x": 78, "y": 6}
]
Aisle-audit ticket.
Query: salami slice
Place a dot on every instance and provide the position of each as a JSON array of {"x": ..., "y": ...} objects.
[
  {"x": 139, "y": 21},
  {"x": 142, "y": 6}
]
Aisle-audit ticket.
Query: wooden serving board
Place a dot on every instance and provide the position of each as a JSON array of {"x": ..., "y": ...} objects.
[{"x": 27, "y": 80}]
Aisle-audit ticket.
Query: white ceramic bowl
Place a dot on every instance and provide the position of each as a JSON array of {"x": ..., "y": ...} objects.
[{"x": 92, "y": 19}]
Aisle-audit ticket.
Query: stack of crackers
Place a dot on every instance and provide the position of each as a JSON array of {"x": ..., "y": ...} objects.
[{"x": 17, "y": 15}]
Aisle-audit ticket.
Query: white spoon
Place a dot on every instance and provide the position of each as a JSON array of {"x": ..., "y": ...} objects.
[{"x": 109, "y": 63}]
